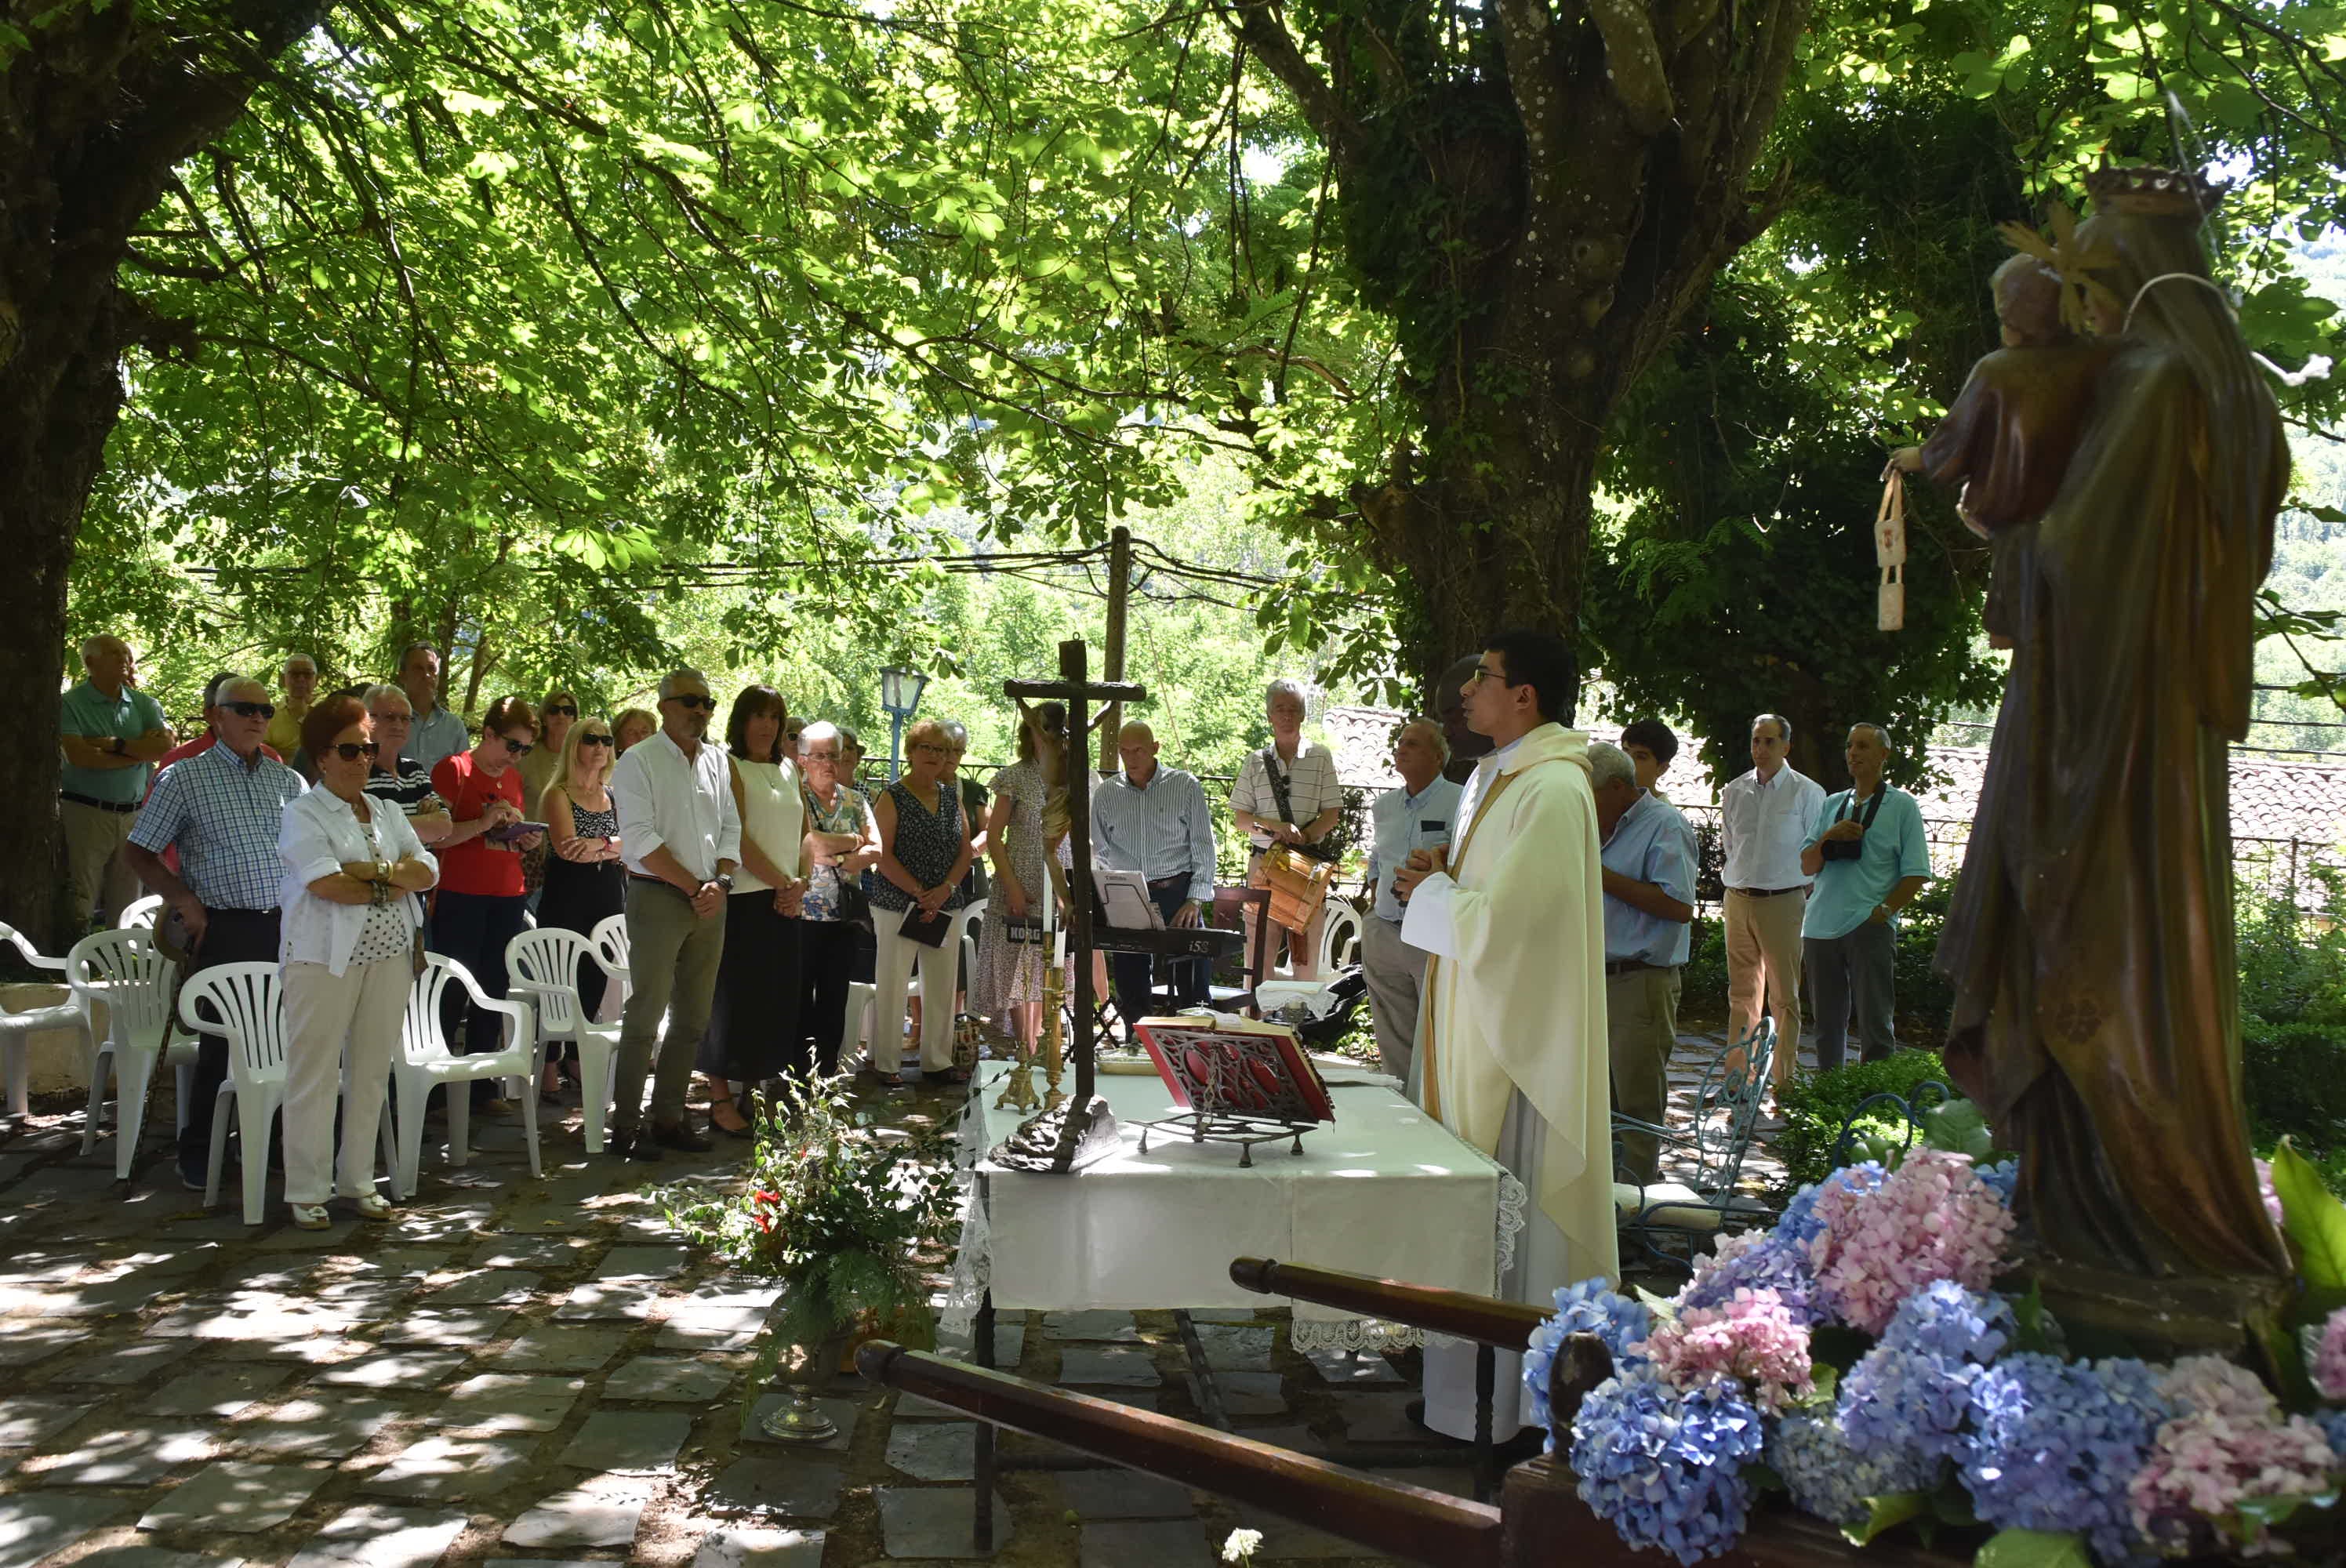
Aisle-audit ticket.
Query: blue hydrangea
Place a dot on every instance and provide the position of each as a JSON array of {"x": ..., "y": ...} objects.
[
  {"x": 2004, "y": 1176},
  {"x": 1799, "y": 1225},
  {"x": 2054, "y": 1444},
  {"x": 1906, "y": 1401},
  {"x": 1828, "y": 1479},
  {"x": 2333, "y": 1423},
  {"x": 1591, "y": 1306},
  {"x": 1665, "y": 1468},
  {"x": 1771, "y": 1263}
]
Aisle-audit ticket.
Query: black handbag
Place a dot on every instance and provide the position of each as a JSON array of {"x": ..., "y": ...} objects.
[{"x": 855, "y": 903}]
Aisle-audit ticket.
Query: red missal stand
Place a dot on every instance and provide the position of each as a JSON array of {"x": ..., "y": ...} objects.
[{"x": 1239, "y": 1081}]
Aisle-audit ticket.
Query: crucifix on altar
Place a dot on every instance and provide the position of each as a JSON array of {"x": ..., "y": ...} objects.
[{"x": 1060, "y": 1138}]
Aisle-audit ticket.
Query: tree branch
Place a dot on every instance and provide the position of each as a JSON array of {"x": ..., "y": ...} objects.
[{"x": 1259, "y": 27}]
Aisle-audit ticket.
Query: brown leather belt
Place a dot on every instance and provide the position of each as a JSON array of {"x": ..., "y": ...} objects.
[{"x": 1768, "y": 892}]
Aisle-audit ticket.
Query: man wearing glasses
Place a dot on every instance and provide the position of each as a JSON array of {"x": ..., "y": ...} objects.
[
  {"x": 221, "y": 809},
  {"x": 110, "y": 733},
  {"x": 680, "y": 837},
  {"x": 1512, "y": 1051}
]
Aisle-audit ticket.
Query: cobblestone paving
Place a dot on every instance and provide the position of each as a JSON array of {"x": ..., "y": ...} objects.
[{"x": 530, "y": 1372}]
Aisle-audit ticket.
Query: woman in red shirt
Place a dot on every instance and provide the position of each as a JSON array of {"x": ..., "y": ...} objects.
[{"x": 481, "y": 902}]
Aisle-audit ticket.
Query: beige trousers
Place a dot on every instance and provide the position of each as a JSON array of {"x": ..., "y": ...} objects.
[
  {"x": 1763, "y": 965},
  {"x": 101, "y": 873},
  {"x": 327, "y": 1016}
]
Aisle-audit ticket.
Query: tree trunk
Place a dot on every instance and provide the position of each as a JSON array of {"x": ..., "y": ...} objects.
[
  {"x": 1538, "y": 195},
  {"x": 94, "y": 112}
]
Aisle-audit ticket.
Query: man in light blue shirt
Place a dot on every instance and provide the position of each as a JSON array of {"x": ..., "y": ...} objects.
[
  {"x": 1154, "y": 821},
  {"x": 436, "y": 733},
  {"x": 1419, "y": 815},
  {"x": 1648, "y": 855},
  {"x": 1870, "y": 859}
]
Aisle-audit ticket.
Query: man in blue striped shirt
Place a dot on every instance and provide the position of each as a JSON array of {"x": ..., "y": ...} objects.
[
  {"x": 222, "y": 809},
  {"x": 1648, "y": 855},
  {"x": 1154, "y": 821}
]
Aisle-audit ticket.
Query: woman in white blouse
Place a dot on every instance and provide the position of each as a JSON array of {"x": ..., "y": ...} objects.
[{"x": 353, "y": 868}]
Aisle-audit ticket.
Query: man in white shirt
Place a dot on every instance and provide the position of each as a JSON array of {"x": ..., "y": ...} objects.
[
  {"x": 680, "y": 837},
  {"x": 1765, "y": 817},
  {"x": 1418, "y": 815}
]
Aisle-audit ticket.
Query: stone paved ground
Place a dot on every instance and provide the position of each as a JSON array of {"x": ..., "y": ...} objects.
[{"x": 530, "y": 1372}]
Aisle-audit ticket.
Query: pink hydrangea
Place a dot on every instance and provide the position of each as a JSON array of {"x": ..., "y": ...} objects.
[
  {"x": 1750, "y": 1335},
  {"x": 2203, "y": 1466},
  {"x": 2328, "y": 1361},
  {"x": 2212, "y": 1386},
  {"x": 2269, "y": 1193},
  {"x": 1933, "y": 1219}
]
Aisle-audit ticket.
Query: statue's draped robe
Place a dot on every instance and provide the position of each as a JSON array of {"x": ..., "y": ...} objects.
[
  {"x": 1511, "y": 1043},
  {"x": 2091, "y": 941}
]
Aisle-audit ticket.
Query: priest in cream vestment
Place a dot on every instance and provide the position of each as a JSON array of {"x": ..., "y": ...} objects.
[{"x": 1511, "y": 1045}]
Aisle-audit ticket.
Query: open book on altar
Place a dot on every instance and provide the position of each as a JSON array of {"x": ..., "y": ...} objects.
[{"x": 1239, "y": 1066}]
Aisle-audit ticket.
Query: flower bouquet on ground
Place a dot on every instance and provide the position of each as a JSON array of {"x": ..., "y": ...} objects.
[
  {"x": 835, "y": 1207},
  {"x": 1858, "y": 1359}
]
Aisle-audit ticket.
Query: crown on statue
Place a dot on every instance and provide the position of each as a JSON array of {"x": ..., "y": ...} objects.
[{"x": 2153, "y": 192}]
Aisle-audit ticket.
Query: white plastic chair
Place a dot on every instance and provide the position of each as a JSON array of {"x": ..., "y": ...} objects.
[
  {"x": 610, "y": 939},
  {"x": 425, "y": 1063},
  {"x": 542, "y": 965},
  {"x": 126, "y": 973},
  {"x": 17, "y": 1028},
  {"x": 142, "y": 913},
  {"x": 858, "y": 1022},
  {"x": 1339, "y": 937},
  {"x": 247, "y": 1007}
]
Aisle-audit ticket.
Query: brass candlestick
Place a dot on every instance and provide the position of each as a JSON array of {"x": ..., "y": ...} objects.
[{"x": 1054, "y": 1029}]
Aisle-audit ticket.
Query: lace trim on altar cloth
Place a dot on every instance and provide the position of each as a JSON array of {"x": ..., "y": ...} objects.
[
  {"x": 1512, "y": 1197},
  {"x": 1370, "y": 1334},
  {"x": 973, "y": 1270}
]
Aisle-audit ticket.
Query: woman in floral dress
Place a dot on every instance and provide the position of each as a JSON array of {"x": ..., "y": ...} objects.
[{"x": 1029, "y": 818}]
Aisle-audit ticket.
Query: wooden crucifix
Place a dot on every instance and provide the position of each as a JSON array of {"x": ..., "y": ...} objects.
[{"x": 1053, "y": 1140}]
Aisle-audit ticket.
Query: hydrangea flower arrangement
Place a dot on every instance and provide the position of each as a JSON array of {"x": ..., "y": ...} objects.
[{"x": 1962, "y": 1408}]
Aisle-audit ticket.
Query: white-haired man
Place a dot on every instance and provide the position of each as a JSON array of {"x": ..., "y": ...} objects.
[
  {"x": 111, "y": 733},
  {"x": 1420, "y": 813},
  {"x": 1286, "y": 793},
  {"x": 680, "y": 837},
  {"x": 397, "y": 776},
  {"x": 1870, "y": 857},
  {"x": 1764, "y": 818},
  {"x": 436, "y": 732},
  {"x": 1648, "y": 855}
]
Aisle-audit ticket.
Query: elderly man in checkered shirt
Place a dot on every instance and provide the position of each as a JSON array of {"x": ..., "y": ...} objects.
[{"x": 222, "y": 809}]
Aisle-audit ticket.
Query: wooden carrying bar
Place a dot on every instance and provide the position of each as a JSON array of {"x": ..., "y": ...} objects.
[
  {"x": 1502, "y": 1325},
  {"x": 1404, "y": 1522}
]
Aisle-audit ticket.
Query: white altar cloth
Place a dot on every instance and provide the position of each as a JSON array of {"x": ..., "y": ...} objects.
[{"x": 1382, "y": 1190}]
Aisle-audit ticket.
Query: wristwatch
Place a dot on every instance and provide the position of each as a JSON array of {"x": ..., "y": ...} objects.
[
  {"x": 725, "y": 880},
  {"x": 120, "y": 749}
]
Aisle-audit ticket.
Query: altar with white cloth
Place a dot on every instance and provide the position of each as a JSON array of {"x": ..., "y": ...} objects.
[{"x": 1382, "y": 1190}]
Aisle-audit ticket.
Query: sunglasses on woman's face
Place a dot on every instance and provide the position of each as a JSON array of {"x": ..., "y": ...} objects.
[
  {"x": 565, "y": 709},
  {"x": 518, "y": 747},
  {"x": 596, "y": 740},
  {"x": 352, "y": 750}
]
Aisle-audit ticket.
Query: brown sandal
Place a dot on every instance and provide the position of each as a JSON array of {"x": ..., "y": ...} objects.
[{"x": 721, "y": 1103}]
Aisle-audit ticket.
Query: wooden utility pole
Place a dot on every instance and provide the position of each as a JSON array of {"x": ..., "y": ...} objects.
[{"x": 1119, "y": 591}]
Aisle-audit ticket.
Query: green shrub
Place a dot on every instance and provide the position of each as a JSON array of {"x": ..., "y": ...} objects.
[
  {"x": 1924, "y": 997},
  {"x": 2292, "y": 966},
  {"x": 1702, "y": 984},
  {"x": 1815, "y": 1104}
]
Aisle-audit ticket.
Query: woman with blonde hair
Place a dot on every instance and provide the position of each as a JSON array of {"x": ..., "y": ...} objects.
[
  {"x": 585, "y": 881},
  {"x": 924, "y": 847},
  {"x": 630, "y": 725},
  {"x": 1026, "y": 831}
]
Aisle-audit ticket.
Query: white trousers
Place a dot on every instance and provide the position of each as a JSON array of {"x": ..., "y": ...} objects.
[
  {"x": 327, "y": 1014},
  {"x": 892, "y": 975}
]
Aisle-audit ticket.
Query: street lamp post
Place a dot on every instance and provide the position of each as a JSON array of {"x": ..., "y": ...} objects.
[{"x": 900, "y": 694}]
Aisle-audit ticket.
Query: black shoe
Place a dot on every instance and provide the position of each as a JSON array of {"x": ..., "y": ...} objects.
[
  {"x": 193, "y": 1177},
  {"x": 634, "y": 1145},
  {"x": 680, "y": 1136}
]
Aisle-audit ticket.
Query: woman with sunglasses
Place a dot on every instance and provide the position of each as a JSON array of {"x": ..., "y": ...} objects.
[
  {"x": 481, "y": 903},
  {"x": 353, "y": 868},
  {"x": 586, "y": 883}
]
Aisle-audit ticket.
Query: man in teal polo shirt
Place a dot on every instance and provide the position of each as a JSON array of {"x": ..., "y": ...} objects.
[
  {"x": 1870, "y": 859},
  {"x": 111, "y": 734}
]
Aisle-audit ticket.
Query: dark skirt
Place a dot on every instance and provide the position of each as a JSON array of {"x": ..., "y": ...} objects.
[
  {"x": 753, "y": 1020},
  {"x": 580, "y": 897}
]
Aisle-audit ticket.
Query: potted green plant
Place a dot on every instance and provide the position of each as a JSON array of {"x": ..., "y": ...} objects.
[{"x": 834, "y": 1207}]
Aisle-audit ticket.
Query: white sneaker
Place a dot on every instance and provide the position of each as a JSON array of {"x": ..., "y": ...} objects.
[
  {"x": 310, "y": 1216},
  {"x": 372, "y": 1205}
]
